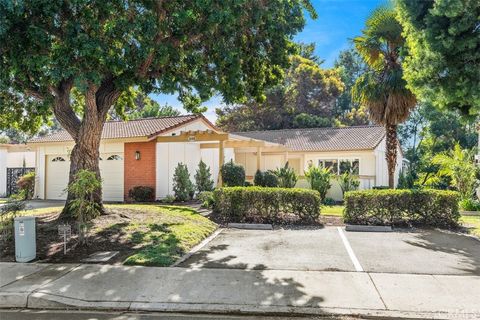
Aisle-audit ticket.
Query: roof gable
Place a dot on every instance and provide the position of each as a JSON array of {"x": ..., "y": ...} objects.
[
  {"x": 322, "y": 139},
  {"x": 148, "y": 127}
]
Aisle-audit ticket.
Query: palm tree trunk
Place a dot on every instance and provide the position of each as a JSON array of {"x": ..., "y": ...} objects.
[{"x": 391, "y": 153}]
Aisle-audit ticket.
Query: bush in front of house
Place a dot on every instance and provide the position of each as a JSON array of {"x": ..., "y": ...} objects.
[
  {"x": 233, "y": 174},
  {"x": 206, "y": 199},
  {"x": 319, "y": 179},
  {"x": 286, "y": 176},
  {"x": 469, "y": 204},
  {"x": 266, "y": 205},
  {"x": 348, "y": 182},
  {"x": 183, "y": 188},
  {"x": 26, "y": 185},
  {"x": 265, "y": 179},
  {"x": 436, "y": 208},
  {"x": 142, "y": 194},
  {"x": 8, "y": 212},
  {"x": 203, "y": 178}
]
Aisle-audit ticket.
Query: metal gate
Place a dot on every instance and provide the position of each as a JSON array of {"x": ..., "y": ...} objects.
[{"x": 13, "y": 174}]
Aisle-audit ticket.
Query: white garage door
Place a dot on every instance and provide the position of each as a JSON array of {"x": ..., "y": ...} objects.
[
  {"x": 58, "y": 167},
  {"x": 111, "y": 169}
]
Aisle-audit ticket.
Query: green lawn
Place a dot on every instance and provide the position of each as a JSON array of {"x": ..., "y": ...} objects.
[
  {"x": 472, "y": 223},
  {"x": 332, "y": 211}
]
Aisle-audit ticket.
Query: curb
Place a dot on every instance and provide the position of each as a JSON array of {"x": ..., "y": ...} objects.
[
  {"x": 45, "y": 301},
  {"x": 367, "y": 228}
]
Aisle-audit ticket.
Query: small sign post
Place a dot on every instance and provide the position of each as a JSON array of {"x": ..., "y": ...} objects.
[{"x": 65, "y": 230}]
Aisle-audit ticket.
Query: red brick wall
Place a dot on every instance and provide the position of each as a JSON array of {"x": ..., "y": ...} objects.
[{"x": 139, "y": 172}]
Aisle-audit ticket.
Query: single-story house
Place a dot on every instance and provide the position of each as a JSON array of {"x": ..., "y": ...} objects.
[
  {"x": 15, "y": 161},
  {"x": 145, "y": 152}
]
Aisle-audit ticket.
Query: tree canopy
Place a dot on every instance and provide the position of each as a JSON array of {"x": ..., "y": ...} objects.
[
  {"x": 306, "y": 97},
  {"x": 443, "y": 39},
  {"x": 100, "y": 49}
]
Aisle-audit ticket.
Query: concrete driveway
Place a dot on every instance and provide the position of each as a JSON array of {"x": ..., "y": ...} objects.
[{"x": 333, "y": 249}]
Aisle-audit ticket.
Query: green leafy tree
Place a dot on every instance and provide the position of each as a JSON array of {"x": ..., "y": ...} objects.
[
  {"x": 286, "y": 176},
  {"x": 134, "y": 104},
  {"x": 83, "y": 206},
  {"x": 443, "y": 39},
  {"x": 203, "y": 178},
  {"x": 183, "y": 188},
  {"x": 319, "y": 179},
  {"x": 306, "y": 91},
  {"x": 459, "y": 165},
  {"x": 99, "y": 50},
  {"x": 430, "y": 131},
  {"x": 382, "y": 88},
  {"x": 350, "y": 66}
]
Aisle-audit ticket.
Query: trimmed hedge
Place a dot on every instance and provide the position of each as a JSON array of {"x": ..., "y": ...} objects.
[
  {"x": 266, "y": 205},
  {"x": 436, "y": 208}
]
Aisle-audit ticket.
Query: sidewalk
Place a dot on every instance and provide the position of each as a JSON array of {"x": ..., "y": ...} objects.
[{"x": 103, "y": 287}]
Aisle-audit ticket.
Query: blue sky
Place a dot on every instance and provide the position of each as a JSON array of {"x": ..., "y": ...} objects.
[{"x": 338, "y": 21}]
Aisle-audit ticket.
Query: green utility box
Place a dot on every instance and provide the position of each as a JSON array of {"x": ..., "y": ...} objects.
[{"x": 25, "y": 239}]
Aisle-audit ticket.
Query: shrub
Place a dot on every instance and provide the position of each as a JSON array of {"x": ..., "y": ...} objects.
[
  {"x": 437, "y": 208},
  {"x": 7, "y": 213},
  {"x": 266, "y": 205},
  {"x": 286, "y": 177},
  {"x": 270, "y": 180},
  {"x": 206, "y": 198},
  {"x": 142, "y": 194},
  {"x": 233, "y": 174},
  {"x": 470, "y": 204},
  {"x": 329, "y": 202},
  {"x": 83, "y": 205},
  {"x": 203, "y": 178},
  {"x": 168, "y": 199},
  {"x": 182, "y": 186},
  {"x": 26, "y": 185},
  {"x": 258, "y": 179},
  {"x": 348, "y": 182},
  {"x": 248, "y": 184},
  {"x": 319, "y": 179}
]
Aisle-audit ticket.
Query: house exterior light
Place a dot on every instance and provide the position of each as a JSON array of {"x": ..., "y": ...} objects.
[{"x": 137, "y": 155}]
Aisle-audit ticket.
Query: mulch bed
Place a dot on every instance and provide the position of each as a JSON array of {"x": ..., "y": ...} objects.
[{"x": 111, "y": 238}]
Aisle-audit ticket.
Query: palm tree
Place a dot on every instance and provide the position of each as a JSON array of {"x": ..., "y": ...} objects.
[{"x": 382, "y": 88}]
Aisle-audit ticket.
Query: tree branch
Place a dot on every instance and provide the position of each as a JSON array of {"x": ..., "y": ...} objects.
[{"x": 63, "y": 110}]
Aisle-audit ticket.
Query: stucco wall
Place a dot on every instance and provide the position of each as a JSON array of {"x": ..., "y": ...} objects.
[{"x": 367, "y": 165}]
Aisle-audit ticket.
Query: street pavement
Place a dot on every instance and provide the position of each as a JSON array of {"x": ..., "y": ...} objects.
[{"x": 419, "y": 274}]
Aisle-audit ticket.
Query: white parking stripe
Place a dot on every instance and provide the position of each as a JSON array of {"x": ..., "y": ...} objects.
[{"x": 356, "y": 263}]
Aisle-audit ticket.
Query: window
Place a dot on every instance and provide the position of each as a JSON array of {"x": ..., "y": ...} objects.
[
  {"x": 349, "y": 165},
  {"x": 58, "y": 159},
  {"x": 114, "y": 157},
  {"x": 329, "y": 163}
]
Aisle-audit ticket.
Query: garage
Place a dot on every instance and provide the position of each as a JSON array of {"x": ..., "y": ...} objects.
[
  {"x": 57, "y": 168},
  {"x": 111, "y": 169}
]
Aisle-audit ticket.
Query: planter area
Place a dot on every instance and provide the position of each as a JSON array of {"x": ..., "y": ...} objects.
[{"x": 142, "y": 234}]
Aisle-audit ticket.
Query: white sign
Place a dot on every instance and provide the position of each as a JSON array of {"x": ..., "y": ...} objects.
[{"x": 21, "y": 229}]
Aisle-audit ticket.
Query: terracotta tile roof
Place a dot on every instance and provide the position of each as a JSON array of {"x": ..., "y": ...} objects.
[
  {"x": 322, "y": 139},
  {"x": 127, "y": 129}
]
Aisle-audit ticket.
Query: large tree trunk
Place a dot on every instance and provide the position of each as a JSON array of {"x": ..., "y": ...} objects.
[
  {"x": 391, "y": 153},
  {"x": 85, "y": 155},
  {"x": 86, "y": 132}
]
